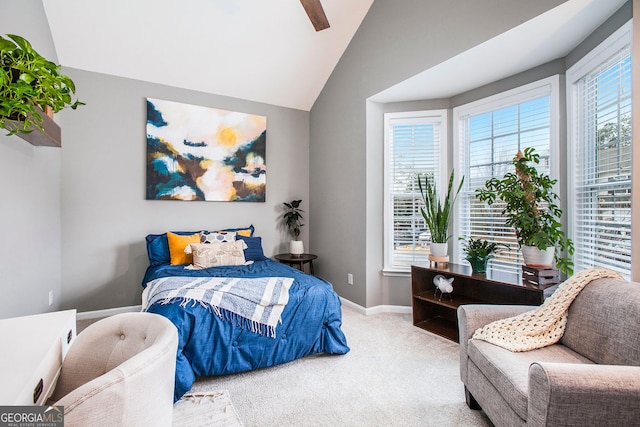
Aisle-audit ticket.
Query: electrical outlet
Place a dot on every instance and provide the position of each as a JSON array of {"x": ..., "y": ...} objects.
[
  {"x": 50, "y": 297},
  {"x": 350, "y": 279}
]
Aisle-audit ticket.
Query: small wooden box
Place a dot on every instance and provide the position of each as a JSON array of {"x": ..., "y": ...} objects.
[{"x": 541, "y": 277}]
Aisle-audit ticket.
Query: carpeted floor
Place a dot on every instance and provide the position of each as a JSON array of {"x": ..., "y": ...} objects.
[{"x": 394, "y": 375}]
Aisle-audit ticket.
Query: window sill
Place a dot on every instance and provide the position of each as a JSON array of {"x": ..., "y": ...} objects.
[{"x": 396, "y": 273}]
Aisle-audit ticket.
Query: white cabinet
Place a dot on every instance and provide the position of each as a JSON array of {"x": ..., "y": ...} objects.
[{"x": 33, "y": 348}]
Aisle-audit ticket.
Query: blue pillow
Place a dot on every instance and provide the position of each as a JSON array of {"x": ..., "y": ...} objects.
[
  {"x": 158, "y": 247},
  {"x": 254, "y": 250}
]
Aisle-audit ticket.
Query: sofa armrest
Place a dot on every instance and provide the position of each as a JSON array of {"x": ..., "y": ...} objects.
[
  {"x": 474, "y": 316},
  {"x": 583, "y": 394}
]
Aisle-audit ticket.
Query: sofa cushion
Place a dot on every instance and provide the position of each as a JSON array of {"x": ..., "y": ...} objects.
[
  {"x": 509, "y": 371},
  {"x": 603, "y": 323}
]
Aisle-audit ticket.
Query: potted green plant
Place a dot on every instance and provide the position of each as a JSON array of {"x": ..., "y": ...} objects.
[
  {"x": 437, "y": 213},
  {"x": 479, "y": 252},
  {"x": 292, "y": 221},
  {"x": 29, "y": 82},
  {"x": 530, "y": 207}
]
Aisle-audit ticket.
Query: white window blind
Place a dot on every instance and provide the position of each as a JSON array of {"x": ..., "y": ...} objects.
[
  {"x": 413, "y": 142},
  {"x": 601, "y": 143},
  {"x": 490, "y": 133}
]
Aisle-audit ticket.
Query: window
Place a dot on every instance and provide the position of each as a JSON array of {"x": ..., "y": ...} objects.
[
  {"x": 489, "y": 133},
  {"x": 599, "y": 94},
  {"x": 412, "y": 148}
]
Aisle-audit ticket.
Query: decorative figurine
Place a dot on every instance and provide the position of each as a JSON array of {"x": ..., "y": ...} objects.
[{"x": 443, "y": 285}]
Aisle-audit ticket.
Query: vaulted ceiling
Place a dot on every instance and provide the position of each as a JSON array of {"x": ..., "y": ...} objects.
[
  {"x": 268, "y": 50},
  {"x": 259, "y": 50}
]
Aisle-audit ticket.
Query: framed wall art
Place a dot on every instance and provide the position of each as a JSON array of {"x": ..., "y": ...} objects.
[{"x": 202, "y": 153}]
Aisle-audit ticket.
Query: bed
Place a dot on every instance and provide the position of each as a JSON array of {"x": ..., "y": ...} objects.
[{"x": 217, "y": 342}]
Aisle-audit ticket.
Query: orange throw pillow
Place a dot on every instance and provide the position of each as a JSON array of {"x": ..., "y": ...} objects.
[
  {"x": 245, "y": 233},
  {"x": 177, "y": 245}
]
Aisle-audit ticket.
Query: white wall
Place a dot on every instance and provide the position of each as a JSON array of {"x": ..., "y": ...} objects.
[
  {"x": 105, "y": 216},
  {"x": 30, "y": 193}
]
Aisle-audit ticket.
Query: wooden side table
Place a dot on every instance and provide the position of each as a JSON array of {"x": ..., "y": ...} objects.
[{"x": 297, "y": 261}]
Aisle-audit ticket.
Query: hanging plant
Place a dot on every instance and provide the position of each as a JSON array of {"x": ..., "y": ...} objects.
[{"x": 28, "y": 82}]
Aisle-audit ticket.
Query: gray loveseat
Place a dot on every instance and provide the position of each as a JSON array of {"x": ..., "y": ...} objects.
[{"x": 590, "y": 378}]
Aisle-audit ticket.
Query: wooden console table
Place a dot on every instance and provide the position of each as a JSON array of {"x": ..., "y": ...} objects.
[{"x": 439, "y": 314}]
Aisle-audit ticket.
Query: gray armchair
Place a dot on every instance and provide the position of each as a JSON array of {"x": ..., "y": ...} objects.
[
  {"x": 590, "y": 378},
  {"x": 120, "y": 371}
]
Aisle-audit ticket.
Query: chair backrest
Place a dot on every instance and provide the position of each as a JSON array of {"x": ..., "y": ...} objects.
[
  {"x": 120, "y": 371},
  {"x": 603, "y": 323}
]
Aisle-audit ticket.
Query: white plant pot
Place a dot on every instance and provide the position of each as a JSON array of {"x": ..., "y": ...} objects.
[
  {"x": 439, "y": 249},
  {"x": 534, "y": 257},
  {"x": 296, "y": 247}
]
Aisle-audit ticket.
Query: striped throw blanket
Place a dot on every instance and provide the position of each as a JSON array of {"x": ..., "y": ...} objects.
[{"x": 251, "y": 303}]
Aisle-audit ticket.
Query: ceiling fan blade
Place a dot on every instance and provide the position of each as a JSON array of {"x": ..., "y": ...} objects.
[{"x": 316, "y": 14}]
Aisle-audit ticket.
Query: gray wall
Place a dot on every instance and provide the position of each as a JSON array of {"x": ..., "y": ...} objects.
[
  {"x": 30, "y": 206},
  {"x": 73, "y": 220},
  {"x": 105, "y": 216},
  {"x": 395, "y": 41}
]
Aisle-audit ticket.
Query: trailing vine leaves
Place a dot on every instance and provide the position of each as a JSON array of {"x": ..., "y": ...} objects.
[{"x": 29, "y": 81}]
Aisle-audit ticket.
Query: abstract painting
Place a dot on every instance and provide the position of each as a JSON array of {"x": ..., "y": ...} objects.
[{"x": 202, "y": 153}]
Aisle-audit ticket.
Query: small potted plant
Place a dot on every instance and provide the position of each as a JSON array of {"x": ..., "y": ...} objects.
[
  {"x": 29, "y": 84},
  {"x": 479, "y": 252},
  {"x": 530, "y": 208},
  {"x": 437, "y": 213},
  {"x": 291, "y": 220}
]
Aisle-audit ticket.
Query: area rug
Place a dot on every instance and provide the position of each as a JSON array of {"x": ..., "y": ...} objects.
[{"x": 211, "y": 409}]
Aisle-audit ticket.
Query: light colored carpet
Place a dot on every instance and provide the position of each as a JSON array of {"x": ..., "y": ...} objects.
[
  {"x": 210, "y": 409},
  {"x": 394, "y": 375}
]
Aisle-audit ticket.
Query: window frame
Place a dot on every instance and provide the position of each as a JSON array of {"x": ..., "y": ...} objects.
[
  {"x": 436, "y": 115},
  {"x": 549, "y": 86},
  {"x": 620, "y": 39}
]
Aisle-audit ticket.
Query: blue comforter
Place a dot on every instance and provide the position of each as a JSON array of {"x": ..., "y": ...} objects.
[{"x": 209, "y": 345}]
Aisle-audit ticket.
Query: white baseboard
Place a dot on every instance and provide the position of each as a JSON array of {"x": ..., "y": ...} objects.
[
  {"x": 401, "y": 309},
  {"x": 107, "y": 312}
]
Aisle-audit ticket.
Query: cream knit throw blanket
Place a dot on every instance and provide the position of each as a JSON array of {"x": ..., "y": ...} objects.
[{"x": 544, "y": 325}]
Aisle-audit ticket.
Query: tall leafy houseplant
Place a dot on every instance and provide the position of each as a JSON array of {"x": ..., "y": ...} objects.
[
  {"x": 29, "y": 81},
  {"x": 437, "y": 213},
  {"x": 530, "y": 207}
]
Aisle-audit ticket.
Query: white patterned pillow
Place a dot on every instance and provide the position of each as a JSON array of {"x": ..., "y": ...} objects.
[
  {"x": 217, "y": 236},
  {"x": 216, "y": 254}
]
